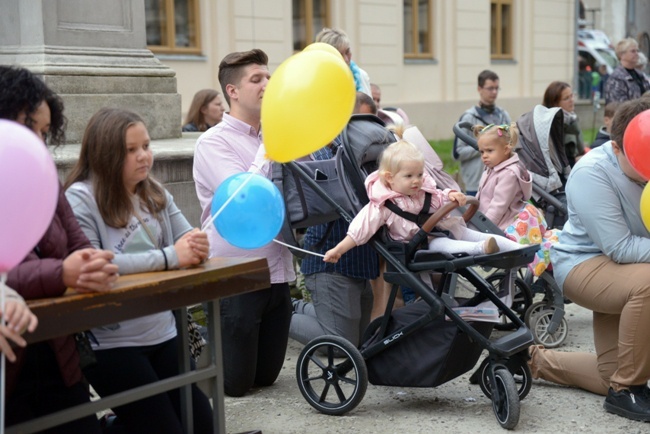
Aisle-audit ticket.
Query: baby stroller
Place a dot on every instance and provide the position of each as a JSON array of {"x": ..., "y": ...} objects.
[
  {"x": 435, "y": 341},
  {"x": 542, "y": 151},
  {"x": 540, "y": 140}
]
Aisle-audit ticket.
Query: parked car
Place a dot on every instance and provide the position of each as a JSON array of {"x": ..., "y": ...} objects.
[
  {"x": 596, "y": 49},
  {"x": 594, "y": 36}
]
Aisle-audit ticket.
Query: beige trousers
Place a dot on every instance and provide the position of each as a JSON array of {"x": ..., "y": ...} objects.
[{"x": 619, "y": 296}]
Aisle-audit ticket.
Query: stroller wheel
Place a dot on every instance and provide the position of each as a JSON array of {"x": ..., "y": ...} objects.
[
  {"x": 534, "y": 308},
  {"x": 539, "y": 323},
  {"x": 332, "y": 375},
  {"x": 517, "y": 367},
  {"x": 523, "y": 298},
  {"x": 506, "y": 405}
]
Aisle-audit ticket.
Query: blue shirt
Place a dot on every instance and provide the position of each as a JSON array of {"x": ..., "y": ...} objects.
[
  {"x": 359, "y": 262},
  {"x": 604, "y": 215}
]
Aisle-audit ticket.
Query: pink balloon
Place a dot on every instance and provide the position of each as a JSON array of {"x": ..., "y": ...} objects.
[{"x": 29, "y": 190}]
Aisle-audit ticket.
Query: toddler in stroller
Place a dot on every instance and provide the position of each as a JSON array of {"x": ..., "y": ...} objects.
[
  {"x": 400, "y": 194},
  {"x": 430, "y": 336},
  {"x": 540, "y": 149}
]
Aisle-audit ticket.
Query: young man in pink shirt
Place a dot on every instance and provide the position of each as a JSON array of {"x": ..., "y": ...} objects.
[{"x": 255, "y": 326}]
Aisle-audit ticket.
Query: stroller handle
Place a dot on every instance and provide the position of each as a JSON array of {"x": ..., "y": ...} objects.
[
  {"x": 550, "y": 199},
  {"x": 462, "y": 131},
  {"x": 443, "y": 211}
]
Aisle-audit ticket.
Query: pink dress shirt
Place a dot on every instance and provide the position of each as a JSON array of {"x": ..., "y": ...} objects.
[{"x": 228, "y": 148}]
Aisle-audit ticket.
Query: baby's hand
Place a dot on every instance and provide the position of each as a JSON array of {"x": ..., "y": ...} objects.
[
  {"x": 332, "y": 256},
  {"x": 459, "y": 197}
]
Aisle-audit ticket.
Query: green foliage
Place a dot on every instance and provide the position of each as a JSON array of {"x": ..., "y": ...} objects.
[
  {"x": 443, "y": 149},
  {"x": 589, "y": 135}
]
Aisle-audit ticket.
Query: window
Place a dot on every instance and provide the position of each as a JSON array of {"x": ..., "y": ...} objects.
[
  {"x": 501, "y": 29},
  {"x": 173, "y": 26},
  {"x": 417, "y": 29},
  {"x": 309, "y": 18}
]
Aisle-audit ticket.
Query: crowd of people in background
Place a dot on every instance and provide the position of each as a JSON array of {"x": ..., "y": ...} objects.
[{"x": 87, "y": 245}]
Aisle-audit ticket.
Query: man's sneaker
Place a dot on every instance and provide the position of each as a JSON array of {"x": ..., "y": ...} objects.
[{"x": 633, "y": 403}]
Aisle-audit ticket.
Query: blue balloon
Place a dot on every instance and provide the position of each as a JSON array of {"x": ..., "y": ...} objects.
[{"x": 254, "y": 217}]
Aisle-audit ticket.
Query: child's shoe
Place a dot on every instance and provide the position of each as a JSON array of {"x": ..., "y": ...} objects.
[{"x": 490, "y": 246}]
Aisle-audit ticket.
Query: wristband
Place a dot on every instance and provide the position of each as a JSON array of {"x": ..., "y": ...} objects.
[{"x": 165, "y": 256}]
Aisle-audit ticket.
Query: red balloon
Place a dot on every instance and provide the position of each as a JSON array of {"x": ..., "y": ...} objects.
[{"x": 636, "y": 142}]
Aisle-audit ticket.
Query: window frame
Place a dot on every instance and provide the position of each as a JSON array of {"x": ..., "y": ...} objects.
[
  {"x": 414, "y": 32},
  {"x": 496, "y": 30},
  {"x": 309, "y": 20},
  {"x": 169, "y": 29}
]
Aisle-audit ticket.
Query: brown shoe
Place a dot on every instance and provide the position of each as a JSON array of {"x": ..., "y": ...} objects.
[{"x": 490, "y": 246}]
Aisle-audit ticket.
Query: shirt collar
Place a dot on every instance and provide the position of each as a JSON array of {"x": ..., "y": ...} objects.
[{"x": 241, "y": 126}]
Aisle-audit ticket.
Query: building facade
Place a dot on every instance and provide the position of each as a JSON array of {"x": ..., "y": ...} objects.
[{"x": 424, "y": 54}]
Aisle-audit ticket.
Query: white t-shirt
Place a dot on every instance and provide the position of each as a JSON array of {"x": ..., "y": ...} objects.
[{"x": 146, "y": 330}]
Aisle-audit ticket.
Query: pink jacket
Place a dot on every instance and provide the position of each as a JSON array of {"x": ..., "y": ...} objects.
[
  {"x": 503, "y": 191},
  {"x": 374, "y": 215}
]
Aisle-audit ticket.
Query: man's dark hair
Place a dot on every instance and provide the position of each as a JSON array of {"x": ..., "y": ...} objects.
[
  {"x": 21, "y": 91},
  {"x": 365, "y": 99},
  {"x": 231, "y": 67},
  {"x": 485, "y": 75},
  {"x": 624, "y": 115}
]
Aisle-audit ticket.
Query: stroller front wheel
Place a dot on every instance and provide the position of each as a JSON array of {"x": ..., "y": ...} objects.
[
  {"x": 517, "y": 367},
  {"x": 539, "y": 324},
  {"x": 332, "y": 375},
  {"x": 534, "y": 308},
  {"x": 506, "y": 403}
]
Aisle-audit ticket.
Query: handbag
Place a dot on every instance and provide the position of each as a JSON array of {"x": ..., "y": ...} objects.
[
  {"x": 87, "y": 356},
  {"x": 195, "y": 340}
]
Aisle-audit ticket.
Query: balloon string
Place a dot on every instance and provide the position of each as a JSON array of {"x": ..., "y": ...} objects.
[
  {"x": 298, "y": 248},
  {"x": 3, "y": 370},
  {"x": 232, "y": 196}
]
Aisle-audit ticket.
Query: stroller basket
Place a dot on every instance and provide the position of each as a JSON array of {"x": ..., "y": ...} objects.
[{"x": 454, "y": 353}]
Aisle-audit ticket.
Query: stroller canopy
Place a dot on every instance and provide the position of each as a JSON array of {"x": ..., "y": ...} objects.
[{"x": 541, "y": 146}]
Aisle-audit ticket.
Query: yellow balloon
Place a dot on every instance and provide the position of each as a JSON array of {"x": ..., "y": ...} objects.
[
  {"x": 322, "y": 46},
  {"x": 307, "y": 103},
  {"x": 645, "y": 206}
]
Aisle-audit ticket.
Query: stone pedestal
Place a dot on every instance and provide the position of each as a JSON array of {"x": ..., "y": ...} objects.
[{"x": 93, "y": 54}]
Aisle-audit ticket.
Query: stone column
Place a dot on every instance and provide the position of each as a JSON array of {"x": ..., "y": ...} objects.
[{"x": 93, "y": 53}]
